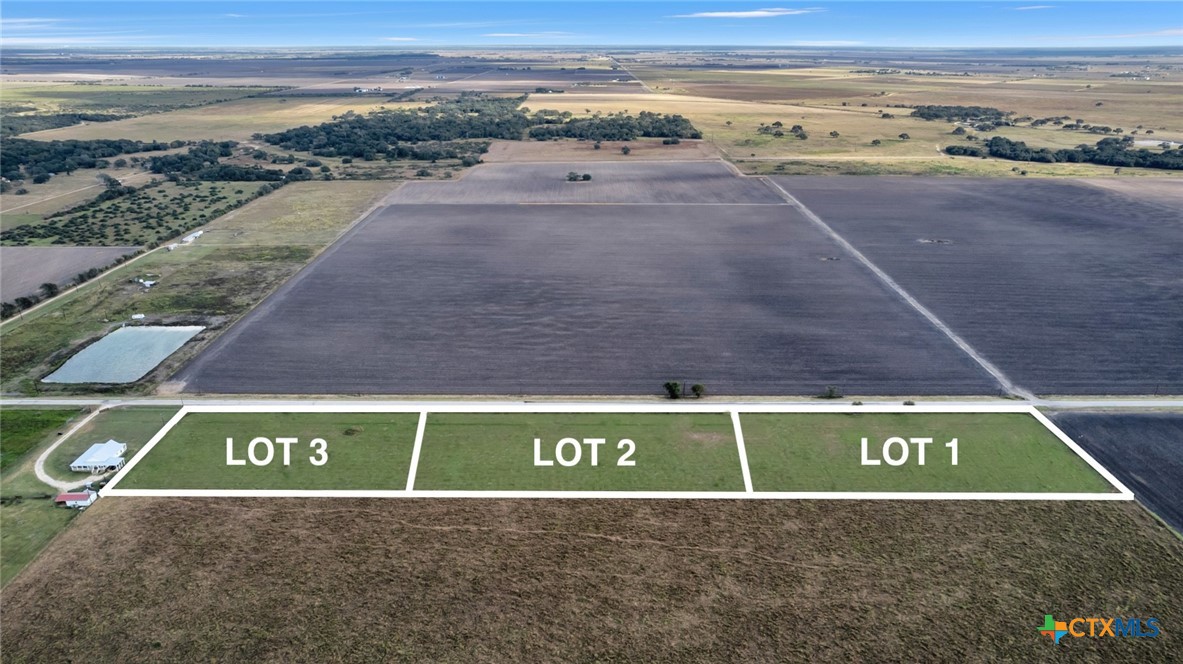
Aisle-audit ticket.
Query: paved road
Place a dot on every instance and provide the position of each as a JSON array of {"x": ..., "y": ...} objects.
[{"x": 1156, "y": 403}]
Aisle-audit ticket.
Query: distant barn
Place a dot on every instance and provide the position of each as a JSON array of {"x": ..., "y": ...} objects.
[{"x": 76, "y": 500}]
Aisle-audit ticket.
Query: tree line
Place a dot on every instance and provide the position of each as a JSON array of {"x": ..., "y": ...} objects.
[
  {"x": 962, "y": 113},
  {"x": 23, "y": 124},
  {"x": 23, "y": 158},
  {"x": 1107, "y": 152},
  {"x": 201, "y": 162},
  {"x": 614, "y": 127},
  {"x": 452, "y": 129}
]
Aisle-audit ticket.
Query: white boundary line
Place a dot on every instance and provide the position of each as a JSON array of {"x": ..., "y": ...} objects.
[
  {"x": 415, "y": 454},
  {"x": 613, "y": 495},
  {"x": 734, "y": 410},
  {"x": 1003, "y": 380},
  {"x": 743, "y": 452},
  {"x": 144, "y": 451},
  {"x": 1096, "y": 465}
]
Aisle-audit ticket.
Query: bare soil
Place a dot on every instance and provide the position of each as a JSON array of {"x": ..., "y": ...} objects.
[
  {"x": 24, "y": 269},
  {"x": 333, "y": 580},
  {"x": 569, "y": 150},
  {"x": 582, "y": 299},
  {"x": 1066, "y": 287}
]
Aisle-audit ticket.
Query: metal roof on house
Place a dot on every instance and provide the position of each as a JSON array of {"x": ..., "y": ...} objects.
[{"x": 100, "y": 453}]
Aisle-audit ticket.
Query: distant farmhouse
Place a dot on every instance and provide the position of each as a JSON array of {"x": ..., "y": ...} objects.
[{"x": 100, "y": 458}]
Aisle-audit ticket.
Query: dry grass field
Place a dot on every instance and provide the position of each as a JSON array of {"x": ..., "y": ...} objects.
[
  {"x": 730, "y": 114},
  {"x": 234, "y": 120},
  {"x": 335, "y": 580},
  {"x": 241, "y": 258},
  {"x": 61, "y": 192}
]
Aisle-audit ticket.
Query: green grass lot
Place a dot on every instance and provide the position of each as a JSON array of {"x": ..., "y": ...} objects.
[
  {"x": 133, "y": 427},
  {"x": 674, "y": 452},
  {"x": 21, "y": 429},
  {"x": 997, "y": 452},
  {"x": 25, "y": 528},
  {"x": 27, "y": 525},
  {"x": 365, "y": 451}
]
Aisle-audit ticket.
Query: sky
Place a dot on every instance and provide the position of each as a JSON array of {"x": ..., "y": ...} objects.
[{"x": 433, "y": 25}]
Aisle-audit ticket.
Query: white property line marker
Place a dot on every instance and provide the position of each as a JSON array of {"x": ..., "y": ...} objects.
[
  {"x": 734, "y": 409},
  {"x": 415, "y": 454},
  {"x": 1002, "y": 379},
  {"x": 106, "y": 490},
  {"x": 743, "y": 452}
]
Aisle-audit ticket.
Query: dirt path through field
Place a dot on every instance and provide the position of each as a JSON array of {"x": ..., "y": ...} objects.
[{"x": 39, "y": 467}]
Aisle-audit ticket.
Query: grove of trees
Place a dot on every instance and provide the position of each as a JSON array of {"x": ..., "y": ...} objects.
[{"x": 1107, "y": 152}]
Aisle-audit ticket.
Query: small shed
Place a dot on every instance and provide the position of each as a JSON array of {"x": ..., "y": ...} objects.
[
  {"x": 100, "y": 458},
  {"x": 76, "y": 500}
]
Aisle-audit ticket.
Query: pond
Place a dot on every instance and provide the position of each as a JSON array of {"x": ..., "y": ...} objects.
[{"x": 123, "y": 356}]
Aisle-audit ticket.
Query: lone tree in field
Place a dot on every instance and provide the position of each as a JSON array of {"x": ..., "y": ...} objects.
[
  {"x": 673, "y": 389},
  {"x": 586, "y": 177},
  {"x": 572, "y": 176},
  {"x": 625, "y": 150},
  {"x": 699, "y": 390},
  {"x": 904, "y": 137},
  {"x": 834, "y": 134},
  {"x": 876, "y": 142}
]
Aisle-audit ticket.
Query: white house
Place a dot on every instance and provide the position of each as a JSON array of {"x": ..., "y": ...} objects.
[
  {"x": 100, "y": 458},
  {"x": 77, "y": 500}
]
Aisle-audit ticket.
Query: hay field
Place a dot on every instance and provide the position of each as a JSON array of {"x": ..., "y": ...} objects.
[
  {"x": 733, "y": 126},
  {"x": 342, "y": 580},
  {"x": 234, "y": 120}
]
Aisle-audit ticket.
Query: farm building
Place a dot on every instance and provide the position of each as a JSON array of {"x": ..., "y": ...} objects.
[
  {"x": 76, "y": 500},
  {"x": 100, "y": 458}
]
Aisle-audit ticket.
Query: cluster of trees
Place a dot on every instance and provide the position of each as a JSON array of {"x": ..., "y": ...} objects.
[
  {"x": 397, "y": 132},
  {"x": 676, "y": 390},
  {"x": 39, "y": 160},
  {"x": 572, "y": 176},
  {"x": 148, "y": 216},
  {"x": 460, "y": 128},
  {"x": 777, "y": 130},
  {"x": 1107, "y": 152},
  {"x": 962, "y": 114},
  {"x": 201, "y": 162},
  {"x": 613, "y": 127}
]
